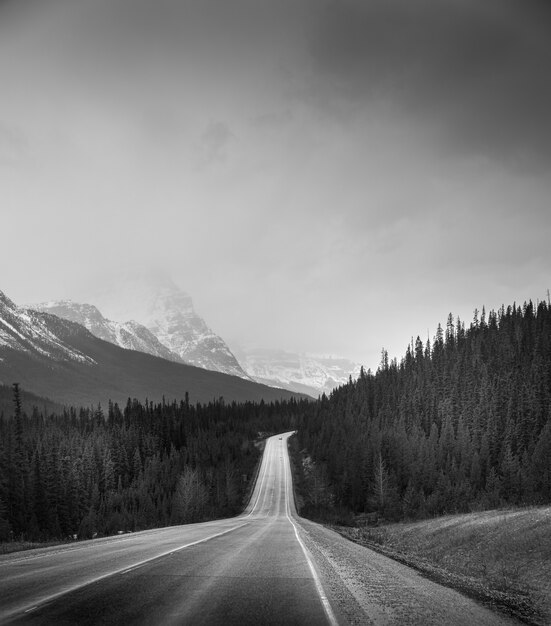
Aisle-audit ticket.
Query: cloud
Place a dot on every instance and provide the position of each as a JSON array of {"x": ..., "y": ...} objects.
[
  {"x": 274, "y": 120},
  {"x": 329, "y": 163},
  {"x": 14, "y": 146},
  {"x": 214, "y": 142},
  {"x": 476, "y": 74}
]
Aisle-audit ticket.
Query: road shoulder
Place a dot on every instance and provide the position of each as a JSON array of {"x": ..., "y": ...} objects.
[{"x": 366, "y": 587}]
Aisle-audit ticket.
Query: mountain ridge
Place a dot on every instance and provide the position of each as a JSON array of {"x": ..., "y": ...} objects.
[
  {"x": 156, "y": 302},
  {"x": 130, "y": 335},
  {"x": 301, "y": 373},
  {"x": 62, "y": 360}
]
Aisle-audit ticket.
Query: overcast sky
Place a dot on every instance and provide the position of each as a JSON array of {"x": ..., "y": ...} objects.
[{"x": 329, "y": 177}]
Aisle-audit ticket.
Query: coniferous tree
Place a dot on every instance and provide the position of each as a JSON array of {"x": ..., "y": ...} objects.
[{"x": 460, "y": 422}]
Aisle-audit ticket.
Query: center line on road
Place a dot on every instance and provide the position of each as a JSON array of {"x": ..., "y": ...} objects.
[
  {"x": 262, "y": 476},
  {"x": 187, "y": 545},
  {"x": 129, "y": 569}
]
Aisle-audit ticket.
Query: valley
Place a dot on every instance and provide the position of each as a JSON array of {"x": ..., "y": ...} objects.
[
  {"x": 397, "y": 461},
  {"x": 275, "y": 312},
  {"x": 264, "y": 566}
]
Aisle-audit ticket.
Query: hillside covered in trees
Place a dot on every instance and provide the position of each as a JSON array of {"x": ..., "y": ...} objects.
[
  {"x": 148, "y": 465},
  {"x": 461, "y": 423}
]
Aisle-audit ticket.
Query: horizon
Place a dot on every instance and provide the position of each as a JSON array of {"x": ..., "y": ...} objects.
[
  {"x": 241, "y": 350},
  {"x": 319, "y": 177}
]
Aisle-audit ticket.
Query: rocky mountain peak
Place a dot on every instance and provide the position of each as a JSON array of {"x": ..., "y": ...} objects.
[
  {"x": 30, "y": 331},
  {"x": 154, "y": 301},
  {"x": 6, "y": 302},
  {"x": 130, "y": 335}
]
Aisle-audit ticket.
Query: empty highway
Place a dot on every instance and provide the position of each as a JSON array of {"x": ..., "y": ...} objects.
[
  {"x": 266, "y": 566},
  {"x": 249, "y": 569}
]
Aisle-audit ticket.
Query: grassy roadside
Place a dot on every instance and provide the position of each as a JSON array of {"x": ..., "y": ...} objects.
[
  {"x": 502, "y": 557},
  {"x": 8, "y": 547}
]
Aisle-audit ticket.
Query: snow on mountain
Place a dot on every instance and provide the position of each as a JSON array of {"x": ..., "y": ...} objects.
[
  {"x": 129, "y": 335},
  {"x": 297, "y": 372},
  {"x": 34, "y": 332},
  {"x": 171, "y": 329},
  {"x": 157, "y": 303},
  {"x": 59, "y": 359}
]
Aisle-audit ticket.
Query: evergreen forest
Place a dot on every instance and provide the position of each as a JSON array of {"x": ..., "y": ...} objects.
[
  {"x": 87, "y": 473},
  {"x": 460, "y": 423}
]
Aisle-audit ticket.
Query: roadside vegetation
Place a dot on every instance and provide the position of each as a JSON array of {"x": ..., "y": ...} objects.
[
  {"x": 404, "y": 459},
  {"x": 85, "y": 473},
  {"x": 461, "y": 424},
  {"x": 501, "y": 557},
  {"x": 7, "y": 547}
]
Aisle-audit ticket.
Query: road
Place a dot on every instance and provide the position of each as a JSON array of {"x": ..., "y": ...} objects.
[
  {"x": 249, "y": 569},
  {"x": 266, "y": 566}
]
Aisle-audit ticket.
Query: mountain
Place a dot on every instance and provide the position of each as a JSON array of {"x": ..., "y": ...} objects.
[
  {"x": 301, "y": 373},
  {"x": 31, "y": 332},
  {"x": 156, "y": 302},
  {"x": 29, "y": 401},
  {"x": 130, "y": 335},
  {"x": 59, "y": 359},
  {"x": 174, "y": 321}
]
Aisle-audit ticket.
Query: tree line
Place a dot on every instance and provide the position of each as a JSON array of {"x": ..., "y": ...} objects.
[
  {"x": 86, "y": 472},
  {"x": 460, "y": 423}
]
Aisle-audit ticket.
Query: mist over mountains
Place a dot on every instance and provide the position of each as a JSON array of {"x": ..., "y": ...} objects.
[
  {"x": 63, "y": 361},
  {"x": 163, "y": 322},
  {"x": 130, "y": 335},
  {"x": 150, "y": 343},
  {"x": 153, "y": 300},
  {"x": 302, "y": 373}
]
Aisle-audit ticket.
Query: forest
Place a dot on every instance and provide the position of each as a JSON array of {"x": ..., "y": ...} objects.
[
  {"x": 86, "y": 473},
  {"x": 460, "y": 423}
]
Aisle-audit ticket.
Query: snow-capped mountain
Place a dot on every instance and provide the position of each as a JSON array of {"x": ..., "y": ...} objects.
[
  {"x": 35, "y": 333},
  {"x": 129, "y": 335},
  {"x": 63, "y": 361},
  {"x": 157, "y": 303},
  {"x": 302, "y": 373}
]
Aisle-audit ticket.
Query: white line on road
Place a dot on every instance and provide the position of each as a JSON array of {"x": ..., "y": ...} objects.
[
  {"x": 324, "y": 600},
  {"x": 187, "y": 545},
  {"x": 129, "y": 569},
  {"x": 260, "y": 482}
]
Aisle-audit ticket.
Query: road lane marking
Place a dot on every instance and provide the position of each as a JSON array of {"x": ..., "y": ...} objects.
[
  {"x": 324, "y": 600},
  {"x": 187, "y": 545},
  {"x": 263, "y": 471},
  {"x": 86, "y": 544},
  {"x": 124, "y": 570},
  {"x": 262, "y": 479},
  {"x": 261, "y": 476}
]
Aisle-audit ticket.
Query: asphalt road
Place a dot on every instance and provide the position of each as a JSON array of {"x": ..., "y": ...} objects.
[
  {"x": 266, "y": 566},
  {"x": 251, "y": 569}
]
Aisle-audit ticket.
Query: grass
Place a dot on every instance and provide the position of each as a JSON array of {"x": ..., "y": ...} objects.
[
  {"x": 18, "y": 546},
  {"x": 502, "y": 557}
]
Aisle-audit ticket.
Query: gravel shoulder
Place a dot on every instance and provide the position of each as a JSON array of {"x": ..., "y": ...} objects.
[{"x": 366, "y": 587}]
